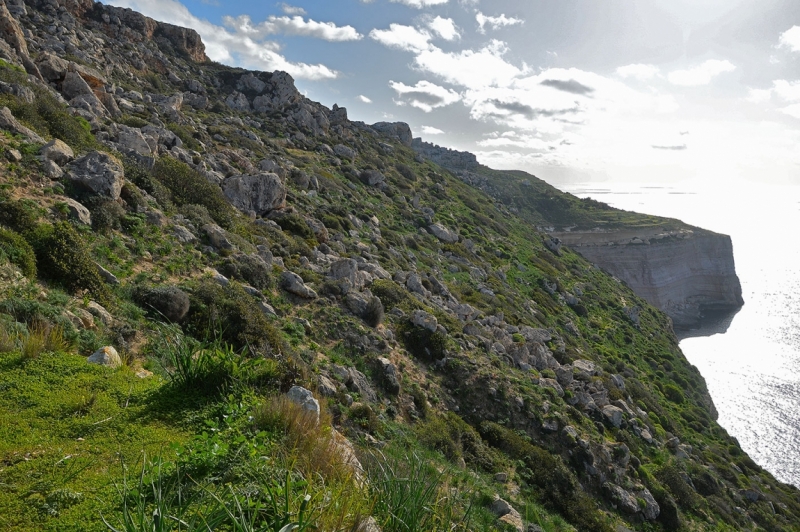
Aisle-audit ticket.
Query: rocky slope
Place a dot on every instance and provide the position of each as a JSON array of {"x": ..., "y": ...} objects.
[
  {"x": 685, "y": 271},
  {"x": 243, "y": 249}
]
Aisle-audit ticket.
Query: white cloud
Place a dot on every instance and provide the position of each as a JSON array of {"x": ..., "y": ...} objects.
[
  {"x": 759, "y": 95},
  {"x": 638, "y": 71},
  {"x": 406, "y": 38},
  {"x": 702, "y": 74},
  {"x": 792, "y": 110},
  {"x": 223, "y": 46},
  {"x": 787, "y": 90},
  {"x": 468, "y": 68},
  {"x": 364, "y": 98},
  {"x": 291, "y": 10},
  {"x": 424, "y": 95},
  {"x": 295, "y": 25},
  {"x": 428, "y": 130},
  {"x": 791, "y": 39},
  {"x": 445, "y": 28},
  {"x": 495, "y": 22},
  {"x": 419, "y": 4}
]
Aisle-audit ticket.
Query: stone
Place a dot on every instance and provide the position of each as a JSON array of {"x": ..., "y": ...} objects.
[
  {"x": 183, "y": 234},
  {"x": 584, "y": 370},
  {"x": 51, "y": 67},
  {"x": 11, "y": 124},
  {"x": 326, "y": 387},
  {"x": 98, "y": 172},
  {"x": 372, "y": 178},
  {"x": 358, "y": 302},
  {"x": 107, "y": 276},
  {"x": 614, "y": 415},
  {"x": 57, "y": 151},
  {"x": 623, "y": 499},
  {"x": 11, "y": 31},
  {"x": 507, "y": 514},
  {"x": 345, "y": 152},
  {"x": 238, "y": 102},
  {"x": 390, "y": 377},
  {"x": 444, "y": 234},
  {"x": 74, "y": 85},
  {"x": 106, "y": 356},
  {"x": 303, "y": 397},
  {"x": 13, "y": 155},
  {"x": 218, "y": 237},
  {"x": 651, "y": 509},
  {"x": 99, "y": 312},
  {"x": 293, "y": 283},
  {"x": 358, "y": 382},
  {"x": 52, "y": 170},
  {"x": 396, "y": 130},
  {"x": 130, "y": 138},
  {"x": 553, "y": 244},
  {"x": 427, "y": 321},
  {"x": 259, "y": 193}
]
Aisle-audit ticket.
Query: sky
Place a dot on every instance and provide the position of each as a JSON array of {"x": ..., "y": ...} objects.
[{"x": 569, "y": 90}]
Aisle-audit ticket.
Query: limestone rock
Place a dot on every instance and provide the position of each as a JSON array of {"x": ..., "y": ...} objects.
[
  {"x": 358, "y": 382},
  {"x": 613, "y": 414},
  {"x": 259, "y": 193},
  {"x": 293, "y": 283},
  {"x": 99, "y": 312},
  {"x": 344, "y": 152},
  {"x": 106, "y": 356},
  {"x": 507, "y": 514},
  {"x": 326, "y": 387},
  {"x": 304, "y": 398},
  {"x": 390, "y": 375},
  {"x": 107, "y": 276},
  {"x": 74, "y": 85},
  {"x": 130, "y": 138},
  {"x": 218, "y": 237},
  {"x": 11, "y": 124},
  {"x": 78, "y": 212},
  {"x": 98, "y": 172},
  {"x": 444, "y": 234},
  {"x": 57, "y": 151},
  {"x": 397, "y": 130},
  {"x": 52, "y": 67},
  {"x": 420, "y": 318},
  {"x": 372, "y": 178}
]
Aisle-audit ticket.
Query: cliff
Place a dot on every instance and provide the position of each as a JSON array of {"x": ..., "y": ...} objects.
[
  {"x": 685, "y": 271},
  {"x": 687, "y": 274}
]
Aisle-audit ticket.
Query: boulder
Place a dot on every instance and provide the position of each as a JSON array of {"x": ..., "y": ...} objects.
[
  {"x": 238, "y": 102},
  {"x": 106, "y": 356},
  {"x": 218, "y": 237},
  {"x": 304, "y": 398},
  {"x": 420, "y": 318},
  {"x": 614, "y": 415},
  {"x": 259, "y": 193},
  {"x": 11, "y": 124},
  {"x": 98, "y": 172},
  {"x": 78, "y": 212},
  {"x": 51, "y": 67},
  {"x": 99, "y": 312},
  {"x": 372, "y": 178},
  {"x": 326, "y": 387},
  {"x": 395, "y": 130},
  {"x": 132, "y": 139},
  {"x": 74, "y": 85},
  {"x": 358, "y": 382},
  {"x": 622, "y": 498},
  {"x": 444, "y": 234},
  {"x": 57, "y": 151},
  {"x": 390, "y": 377},
  {"x": 507, "y": 514},
  {"x": 107, "y": 276},
  {"x": 293, "y": 283},
  {"x": 344, "y": 152}
]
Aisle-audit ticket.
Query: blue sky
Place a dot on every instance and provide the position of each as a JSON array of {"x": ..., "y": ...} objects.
[{"x": 567, "y": 89}]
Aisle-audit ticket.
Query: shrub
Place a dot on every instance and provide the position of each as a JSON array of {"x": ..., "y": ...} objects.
[
  {"x": 673, "y": 393},
  {"x": 232, "y": 313},
  {"x": 422, "y": 343},
  {"x": 389, "y": 292},
  {"x": 374, "y": 314},
  {"x": 18, "y": 216},
  {"x": 363, "y": 416},
  {"x": 63, "y": 257},
  {"x": 188, "y": 186},
  {"x": 142, "y": 178},
  {"x": 296, "y": 225},
  {"x": 168, "y": 302},
  {"x": 106, "y": 215},
  {"x": 17, "y": 251},
  {"x": 207, "y": 367},
  {"x": 251, "y": 269}
]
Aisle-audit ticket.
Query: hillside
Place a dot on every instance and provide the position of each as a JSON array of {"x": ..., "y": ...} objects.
[{"x": 226, "y": 307}]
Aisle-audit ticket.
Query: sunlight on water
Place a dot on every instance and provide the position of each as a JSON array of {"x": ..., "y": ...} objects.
[{"x": 753, "y": 369}]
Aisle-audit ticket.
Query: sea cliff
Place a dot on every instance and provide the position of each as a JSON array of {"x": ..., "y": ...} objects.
[{"x": 688, "y": 273}]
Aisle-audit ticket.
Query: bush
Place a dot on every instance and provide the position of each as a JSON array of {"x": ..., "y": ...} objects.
[
  {"x": 296, "y": 225},
  {"x": 168, "y": 302},
  {"x": 63, "y": 257},
  {"x": 17, "y": 251},
  {"x": 389, "y": 292},
  {"x": 673, "y": 393},
  {"x": 18, "y": 216},
  {"x": 422, "y": 343},
  {"x": 188, "y": 186},
  {"x": 232, "y": 313},
  {"x": 374, "y": 314},
  {"x": 106, "y": 215},
  {"x": 250, "y": 269}
]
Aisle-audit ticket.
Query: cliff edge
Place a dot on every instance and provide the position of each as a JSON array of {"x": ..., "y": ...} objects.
[{"x": 686, "y": 271}]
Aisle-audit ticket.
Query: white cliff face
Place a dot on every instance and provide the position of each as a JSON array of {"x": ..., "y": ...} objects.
[{"x": 684, "y": 273}]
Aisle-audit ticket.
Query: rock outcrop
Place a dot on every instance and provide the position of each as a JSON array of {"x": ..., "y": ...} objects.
[{"x": 687, "y": 274}]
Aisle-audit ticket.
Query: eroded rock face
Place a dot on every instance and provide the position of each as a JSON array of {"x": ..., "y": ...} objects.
[
  {"x": 685, "y": 274},
  {"x": 259, "y": 193},
  {"x": 398, "y": 130}
]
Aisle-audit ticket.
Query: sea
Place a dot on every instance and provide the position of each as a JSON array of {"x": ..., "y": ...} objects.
[{"x": 751, "y": 359}]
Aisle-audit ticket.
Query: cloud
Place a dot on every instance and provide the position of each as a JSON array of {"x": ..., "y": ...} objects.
[
  {"x": 495, "y": 22},
  {"x": 791, "y": 39},
  {"x": 513, "y": 139},
  {"x": 224, "y": 46},
  {"x": 792, "y": 110},
  {"x": 428, "y": 130},
  {"x": 406, "y": 38},
  {"x": 638, "y": 71},
  {"x": 291, "y": 10},
  {"x": 419, "y": 4},
  {"x": 672, "y": 147},
  {"x": 569, "y": 85},
  {"x": 424, "y": 95},
  {"x": 445, "y": 28},
  {"x": 364, "y": 98},
  {"x": 702, "y": 74},
  {"x": 295, "y": 25},
  {"x": 468, "y": 68}
]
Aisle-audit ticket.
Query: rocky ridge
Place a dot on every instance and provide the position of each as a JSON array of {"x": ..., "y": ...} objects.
[{"x": 408, "y": 300}]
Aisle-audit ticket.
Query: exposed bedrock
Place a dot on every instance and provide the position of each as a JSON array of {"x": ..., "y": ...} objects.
[{"x": 687, "y": 273}]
